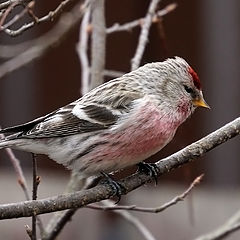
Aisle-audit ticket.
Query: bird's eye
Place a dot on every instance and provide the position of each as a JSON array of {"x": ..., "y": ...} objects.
[{"x": 188, "y": 89}]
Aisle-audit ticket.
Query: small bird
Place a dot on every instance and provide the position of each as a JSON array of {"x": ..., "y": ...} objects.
[{"x": 117, "y": 124}]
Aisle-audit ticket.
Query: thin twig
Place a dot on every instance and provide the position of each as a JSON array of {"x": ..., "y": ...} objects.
[
  {"x": 19, "y": 172},
  {"x": 82, "y": 48},
  {"x": 104, "y": 191},
  {"x": 17, "y": 16},
  {"x": 132, "y": 220},
  {"x": 6, "y": 13},
  {"x": 142, "y": 41},
  {"x": 35, "y": 181},
  {"x": 136, "y": 23},
  {"x": 6, "y": 4},
  {"x": 49, "y": 17},
  {"x": 223, "y": 231},
  {"x": 7, "y": 51},
  {"x": 44, "y": 43},
  {"x": 29, "y": 231},
  {"x": 59, "y": 223},
  {"x": 113, "y": 73},
  {"x": 60, "y": 219},
  {"x": 170, "y": 203},
  {"x": 21, "y": 179}
]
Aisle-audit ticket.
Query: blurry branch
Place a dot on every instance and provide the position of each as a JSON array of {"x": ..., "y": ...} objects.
[
  {"x": 36, "y": 181},
  {"x": 7, "y": 51},
  {"x": 82, "y": 50},
  {"x": 136, "y": 23},
  {"x": 27, "y": 9},
  {"x": 5, "y": 14},
  {"x": 172, "y": 202},
  {"x": 18, "y": 169},
  {"x": 57, "y": 224},
  {"x": 49, "y": 17},
  {"x": 8, "y": 3},
  {"x": 130, "y": 219},
  {"x": 21, "y": 179},
  {"x": 143, "y": 38},
  {"x": 98, "y": 44},
  {"x": 229, "y": 227},
  {"x": 104, "y": 191},
  {"x": 113, "y": 73},
  {"x": 67, "y": 22},
  {"x": 60, "y": 219}
]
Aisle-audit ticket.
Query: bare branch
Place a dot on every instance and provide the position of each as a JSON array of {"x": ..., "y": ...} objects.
[
  {"x": 36, "y": 181},
  {"x": 27, "y": 9},
  {"x": 60, "y": 219},
  {"x": 104, "y": 191},
  {"x": 44, "y": 43},
  {"x": 82, "y": 48},
  {"x": 113, "y": 73},
  {"x": 6, "y": 13},
  {"x": 19, "y": 172},
  {"x": 229, "y": 227},
  {"x": 21, "y": 180},
  {"x": 49, "y": 17},
  {"x": 136, "y": 23},
  {"x": 59, "y": 223},
  {"x": 8, "y": 3},
  {"x": 142, "y": 41},
  {"x": 131, "y": 219},
  {"x": 172, "y": 202},
  {"x": 98, "y": 48}
]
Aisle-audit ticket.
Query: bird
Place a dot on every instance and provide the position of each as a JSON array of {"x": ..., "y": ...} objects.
[{"x": 117, "y": 124}]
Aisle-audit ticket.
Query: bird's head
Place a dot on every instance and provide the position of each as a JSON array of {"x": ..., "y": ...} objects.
[{"x": 176, "y": 84}]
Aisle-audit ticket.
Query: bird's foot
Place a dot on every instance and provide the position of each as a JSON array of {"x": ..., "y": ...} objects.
[
  {"x": 116, "y": 186},
  {"x": 151, "y": 169}
]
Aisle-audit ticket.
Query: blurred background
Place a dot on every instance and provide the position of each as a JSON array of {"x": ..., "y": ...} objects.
[{"x": 207, "y": 34}]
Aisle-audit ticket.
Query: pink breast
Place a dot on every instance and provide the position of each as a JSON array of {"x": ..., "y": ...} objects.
[{"x": 148, "y": 132}]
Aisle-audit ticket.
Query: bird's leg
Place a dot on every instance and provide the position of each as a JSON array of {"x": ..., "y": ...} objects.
[
  {"x": 116, "y": 186},
  {"x": 150, "y": 169}
]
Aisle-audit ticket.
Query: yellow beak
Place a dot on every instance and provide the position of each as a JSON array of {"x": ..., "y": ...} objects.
[{"x": 200, "y": 102}]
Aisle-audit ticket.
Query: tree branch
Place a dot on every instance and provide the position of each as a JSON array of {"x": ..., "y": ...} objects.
[
  {"x": 131, "y": 219},
  {"x": 98, "y": 47},
  {"x": 82, "y": 49},
  {"x": 49, "y": 17},
  {"x": 229, "y": 227},
  {"x": 142, "y": 41},
  {"x": 44, "y": 43},
  {"x": 22, "y": 181},
  {"x": 8, "y": 3},
  {"x": 136, "y": 23},
  {"x": 104, "y": 191},
  {"x": 170, "y": 203}
]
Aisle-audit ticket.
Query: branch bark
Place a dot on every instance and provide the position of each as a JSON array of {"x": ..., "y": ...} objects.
[
  {"x": 142, "y": 41},
  {"x": 104, "y": 191},
  {"x": 98, "y": 49}
]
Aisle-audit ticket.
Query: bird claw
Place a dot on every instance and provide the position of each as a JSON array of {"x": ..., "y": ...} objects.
[
  {"x": 118, "y": 189},
  {"x": 151, "y": 169}
]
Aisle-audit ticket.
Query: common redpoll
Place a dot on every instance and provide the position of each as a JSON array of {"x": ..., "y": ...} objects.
[{"x": 117, "y": 124}]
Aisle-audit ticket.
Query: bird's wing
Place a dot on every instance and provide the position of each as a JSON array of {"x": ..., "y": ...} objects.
[{"x": 77, "y": 117}]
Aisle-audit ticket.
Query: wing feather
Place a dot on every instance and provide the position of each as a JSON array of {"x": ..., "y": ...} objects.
[{"x": 80, "y": 116}]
